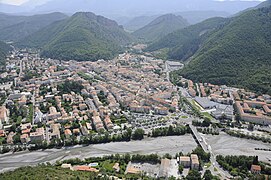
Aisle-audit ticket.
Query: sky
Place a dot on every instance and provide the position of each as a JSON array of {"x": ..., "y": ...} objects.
[{"x": 18, "y": 2}]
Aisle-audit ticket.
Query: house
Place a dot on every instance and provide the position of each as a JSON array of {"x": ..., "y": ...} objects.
[
  {"x": 82, "y": 107},
  {"x": 22, "y": 101},
  {"x": 164, "y": 168},
  {"x": 84, "y": 131},
  {"x": 116, "y": 167},
  {"x": 161, "y": 110},
  {"x": 76, "y": 131},
  {"x": 10, "y": 138},
  {"x": 185, "y": 161},
  {"x": 2, "y": 133},
  {"x": 89, "y": 127},
  {"x": 67, "y": 133},
  {"x": 108, "y": 123},
  {"x": 194, "y": 162},
  {"x": 255, "y": 169},
  {"x": 3, "y": 114},
  {"x": 66, "y": 166},
  {"x": 24, "y": 138},
  {"x": 38, "y": 135},
  {"x": 53, "y": 114},
  {"x": 97, "y": 123},
  {"x": 26, "y": 126},
  {"x": 132, "y": 169},
  {"x": 85, "y": 168},
  {"x": 55, "y": 133}
]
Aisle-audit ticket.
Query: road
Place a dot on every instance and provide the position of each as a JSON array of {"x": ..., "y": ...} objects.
[
  {"x": 21, "y": 68},
  {"x": 197, "y": 86},
  {"x": 167, "y": 71},
  {"x": 33, "y": 102}
]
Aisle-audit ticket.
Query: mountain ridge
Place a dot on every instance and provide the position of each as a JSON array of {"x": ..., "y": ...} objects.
[
  {"x": 238, "y": 54},
  {"x": 160, "y": 26},
  {"x": 83, "y": 36},
  {"x": 18, "y": 27},
  {"x": 183, "y": 43}
]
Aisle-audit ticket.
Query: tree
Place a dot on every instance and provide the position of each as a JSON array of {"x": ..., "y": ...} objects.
[
  {"x": 208, "y": 175},
  {"x": 256, "y": 160},
  {"x": 201, "y": 154},
  {"x": 16, "y": 138},
  {"x": 193, "y": 175},
  {"x": 138, "y": 134},
  {"x": 180, "y": 169},
  {"x": 250, "y": 127},
  {"x": 167, "y": 156},
  {"x": 206, "y": 122}
]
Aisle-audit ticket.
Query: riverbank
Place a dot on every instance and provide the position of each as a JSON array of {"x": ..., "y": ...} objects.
[{"x": 160, "y": 145}]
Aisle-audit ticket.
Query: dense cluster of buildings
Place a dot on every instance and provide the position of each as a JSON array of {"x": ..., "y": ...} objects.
[
  {"x": 253, "y": 108},
  {"x": 129, "y": 82},
  {"x": 137, "y": 86},
  {"x": 220, "y": 102},
  {"x": 217, "y": 100}
]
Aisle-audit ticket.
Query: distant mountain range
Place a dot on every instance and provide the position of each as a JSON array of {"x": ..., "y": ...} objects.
[
  {"x": 192, "y": 17},
  {"x": 18, "y": 27},
  {"x": 83, "y": 36},
  {"x": 139, "y": 22},
  {"x": 161, "y": 26},
  {"x": 233, "y": 51},
  {"x": 132, "y": 8}
]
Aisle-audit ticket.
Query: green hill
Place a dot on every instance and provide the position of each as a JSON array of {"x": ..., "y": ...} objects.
[
  {"x": 43, "y": 172},
  {"x": 161, "y": 26},
  {"x": 4, "y": 49},
  {"x": 238, "y": 54},
  {"x": 18, "y": 27},
  {"x": 84, "y": 36},
  {"x": 183, "y": 43}
]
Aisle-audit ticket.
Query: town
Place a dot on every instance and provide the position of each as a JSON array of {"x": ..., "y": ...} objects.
[{"x": 48, "y": 103}]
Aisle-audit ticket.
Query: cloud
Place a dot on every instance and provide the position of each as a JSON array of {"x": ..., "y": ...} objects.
[{"x": 13, "y": 2}]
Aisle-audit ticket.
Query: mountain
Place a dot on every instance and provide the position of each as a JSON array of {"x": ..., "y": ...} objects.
[
  {"x": 161, "y": 26},
  {"x": 4, "y": 49},
  {"x": 18, "y": 27},
  {"x": 182, "y": 44},
  {"x": 237, "y": 54},
  {"x": 265, "y": 3},
  {"x": 139, "y": 22},
  {"x": 194, "y": 17},
  {"x": 83, "y": 36}
]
